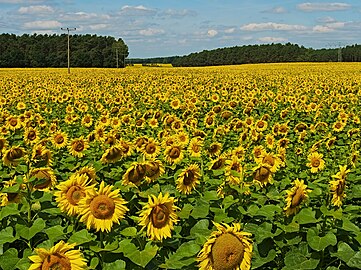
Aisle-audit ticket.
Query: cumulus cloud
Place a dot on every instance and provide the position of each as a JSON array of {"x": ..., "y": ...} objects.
[
  {"x": 230, "y": 30},
  {"x": 98, "y": 26},
  {"x": 36, "y": 10},
  {"x": 323, "y": 6},
  {"x": 328, "y": 27},
  {"x": 83, "y": 16},
  {"x": 42, "y": 25},
  {"x": 137, "y": 10},
  {"x": 272, "y": 26},
  {"x": 272, "y": 39},
  {"x": 212, "y": 33},
  {"x": 151, "y": 32}
]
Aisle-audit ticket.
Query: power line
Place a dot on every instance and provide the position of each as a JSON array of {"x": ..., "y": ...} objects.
[{"x": 68, "y": 29}]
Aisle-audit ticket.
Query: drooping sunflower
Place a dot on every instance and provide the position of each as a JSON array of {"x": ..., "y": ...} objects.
[
  {"x": 262, "y": 175},
  {"x": 45, "y": 178},
  {"x": 134, "y": 174},
  {"x": 158, "y": 216},
  {"x": 316, "y": 163},
  {"x": 218, "y": 163},
  {"x": 60, "y": 256},
  {"x": 101, "y": 209},
  {"x": 112, "y": 154},
  {"x": 13, "y": 155},
  {"x": 41, "y": 156},
  {"x": 188, "y": 179},
  {"x": 228, "y": 248},
  {"x": 77, "y": 147},
  {"x": 295, "y": 197},
  {"x": 71, "y": 191},
  {"x": 270, "y": 160},
  {"x": 338, "y": 186},
  {"x": 234, "y": 171},
  {"x": 214, "y": 149},
  {"x": 153, "y": 170},
  {"x": 59, "y": 139},
  {"x": 173, "y": 154},
  {"x": 11, "y": 197}
]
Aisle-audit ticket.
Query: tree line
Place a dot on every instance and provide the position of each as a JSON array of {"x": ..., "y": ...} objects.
[
  {"x": 51, "y": 50},
  {"x": 268, "y": 53}
]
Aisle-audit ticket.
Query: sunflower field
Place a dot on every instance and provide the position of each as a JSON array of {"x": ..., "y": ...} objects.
[{"x": 216, "y": 168}]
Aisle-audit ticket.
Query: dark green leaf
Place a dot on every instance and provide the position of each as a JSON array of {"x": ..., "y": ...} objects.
[
  {"x": 9, "y": 210},
  {"x": 130, "y": 231},
  {"x": 305, "y": 216},
  {"x": 28, "y": 233},
  {"x": 6, "y": 236},
  {"x": 9, "y": 259},
  {"x": 319, "y": 243},
  {"x": 118, "y": 265},
  {"x": 81, "y": 237},
  {"x": 294, "y": 260},
  {"x": 142, "y": 258},
  {"x": 185, "y": 212},
  {"x": 201, "y": 209}
]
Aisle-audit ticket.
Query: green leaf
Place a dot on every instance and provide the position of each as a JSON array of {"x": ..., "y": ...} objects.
[
  {"x": 201, "y": 209},
  {"x": 55, "y": 233},
  {"x": 269, "y": 211},
  {"x": 9, "y": 259},
  {"x": 125, "y": 246},
  {"x": 130, "y": 231},
  {"x": 28, "y": 233},
  {"x": 260, "y": 261},
  {"x": 349, "y": 226},
  {"x": 252, "y": 210},
  {"x": 177, "y": 260},
  {"x": 200, "y": 231},
  {"x": 185, "y": 212},
  {"x": 344, "y": 252},
  {"x": 94, "y": 262},
  {"x": 81, "y": 237},
  {"x": 305, "y": 216},
  {"x": 355, "y": 261},
  {"x": 220, "y": 215},
  {"x": 319, "y": 243},
  {"x": 142, "y": 258},
  {"x": 118, "y": 264},
  {"x": 9, "y": 210},
  {"x": 295, "y": 260},
  {"x": 6, "y": 236},
  {"x": 228, "y": 201},
  {"x": 210, "y": 195}
]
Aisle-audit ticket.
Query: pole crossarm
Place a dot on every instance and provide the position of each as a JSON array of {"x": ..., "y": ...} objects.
[{"x": 68, "y": 30}]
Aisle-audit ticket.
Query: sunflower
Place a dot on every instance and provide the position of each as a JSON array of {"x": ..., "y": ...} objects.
[
  {"x": 134, "y": 174},
  {"x": 261, "y": 125},
  {"x": 316, "y": 163},
  {"x": 228, "y": 248},
  {"x": 295, "y": 196},
  {"x": 338, "y": 186},
  {"x": 41, "y": 156},
  {"x": 153, "y": 170},
  {"x": 270, "y": 141},
  {"x": 101, "y": 209},
  {"x": 77, "y": 147},
  {"x": 183, "y": 138},
  {"x": 173, "y": 154},
  {"x": 258, "y": 151},
  {"x": 338, "y": 126},
  {"x": 31, "y": 135},
  {"x": 262, "y": 175},
  {"x": 215, "y": 149},
  {"x": 158, "y": 216},
  {"x": 112, "y": 154},
  {"x": 151, "y": 148},
  {"x": 71, "y": 192},
  {"x": 45, "y": 178},
  {"x": 234, "y": 171},
  {"x": 13, "y": 155},
  {"x": 89, "y": 171},
  {"x": 269, "y": 160},
  {"x": 59, "y": 139},
  {"x": 3, "y": 144},
  {"x": 218, "y": 163},
  {"x": 11, "y": 197},
  {"x": 195, "y": 147},
  {"x": 153, "y": 122},
  {"x": 239, "y": 152},
  {"x": 13, "y": 123},
  {"x": 188, "y": 179},
  {"x": 60, "y": 256}
]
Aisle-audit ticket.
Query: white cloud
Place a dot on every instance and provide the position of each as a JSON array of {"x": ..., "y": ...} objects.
[
  {"x": 35, "y": 9},
  {"x": 326, "y": 19},
  {"x": 212, "y": 33},
  {"x": 98, "y": 26},
  {"x": 173, "y": 13},
  {"x": 276, "y": 10},
  {"x": 42, "y": 25},
  {"x": 83, "y": 16},
  {"x": 151, "y": 32},
  {"x": 322, "y": 29},
  {"x": 272, "y": 26},
  {"x": 323, "y": 6},
  {"x": 271, "y": 39},
  {"x": 230, "y": 30},
  {"x": 136, "y": 10}
]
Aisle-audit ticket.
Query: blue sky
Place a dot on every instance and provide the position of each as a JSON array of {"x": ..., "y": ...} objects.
[{"x": 179, "y": 27}]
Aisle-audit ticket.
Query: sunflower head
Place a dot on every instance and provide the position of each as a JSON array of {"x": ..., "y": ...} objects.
[
  {"x": 13, "y": 155},
  {"x": 295, "y": 197},
  {"x": 134, "y": 174},
  {"x": 188, "y": 179},
  {"x": 316, "y": 163},
  {"x": 44, "y": 178},
  {"x": 173, "y": 154},
  {"x": 262, "y": 175},
  {"x": 112, "y": 154},
  {"x": 77, "y": 147},
  {"x": 153, "y": 170},
  {"x": 228, "y": 248}
]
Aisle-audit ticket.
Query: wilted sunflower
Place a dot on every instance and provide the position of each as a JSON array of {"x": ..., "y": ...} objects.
[
  {"x": 77, "y": 147},
  {"x": 134, "y": 174},
  {"x": 188, "y": 179},
  {"x": 12, "y": 156},
  {"x": 295, "y": 196},
  {"x": 41, "y": 156},
  {"x": 71, "y": 192},
  {"x": 112, "y": 154},
  {"x": 262, "y": 175},
  {"x": 101, "y": 209},
  {"x": 153, "y": 170},
  {"x": 11, "y": 197},
  {"x": 338, "y": 186},
  {"x": 228, "y": 248},
  {"x": 59, "y": 139},
  {"x": 61, "y": 256},
  {"x": 173, "y": 154},
  {"x": 316, "y": 163},
  {"x": 158, "y": 216},
  {"x": 45, "y": 178},
  {"x": 218, "y": 163}
]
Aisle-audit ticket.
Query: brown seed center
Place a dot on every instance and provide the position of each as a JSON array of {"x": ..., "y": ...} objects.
[
  {"x": 56, "y": 262},
  {"x": 102, "y": 207},
  {"x": 74, "y": 194},
  {"x": 188, "y": 178},
  {"x": 227, "y": 252},
  {"x": 150, "y": 148},
  {"x": 297, "y": 198},
  {"x": 315, "y": 162},
  {"x": 59, "y": 139},
  {"x": 160, "y": 216},
  {"x": 174, "y": 152}
]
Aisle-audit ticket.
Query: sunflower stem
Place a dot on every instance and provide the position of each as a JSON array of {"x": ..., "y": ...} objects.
[{"x": 101, "y": 236}]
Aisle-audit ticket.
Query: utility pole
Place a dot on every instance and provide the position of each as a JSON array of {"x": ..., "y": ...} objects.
[{"x": 68, "y": 29}]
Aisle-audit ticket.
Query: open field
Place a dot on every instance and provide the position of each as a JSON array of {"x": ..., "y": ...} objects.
[{"x": 252, "y": 166}]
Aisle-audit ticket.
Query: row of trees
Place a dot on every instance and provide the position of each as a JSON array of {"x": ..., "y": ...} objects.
[
  {"x": 269, "y": 53},
  {"x": 51, "y": 50}
]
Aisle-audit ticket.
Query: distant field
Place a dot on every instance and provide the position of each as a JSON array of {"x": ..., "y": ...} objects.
[{"x": 251, "y": 166}]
